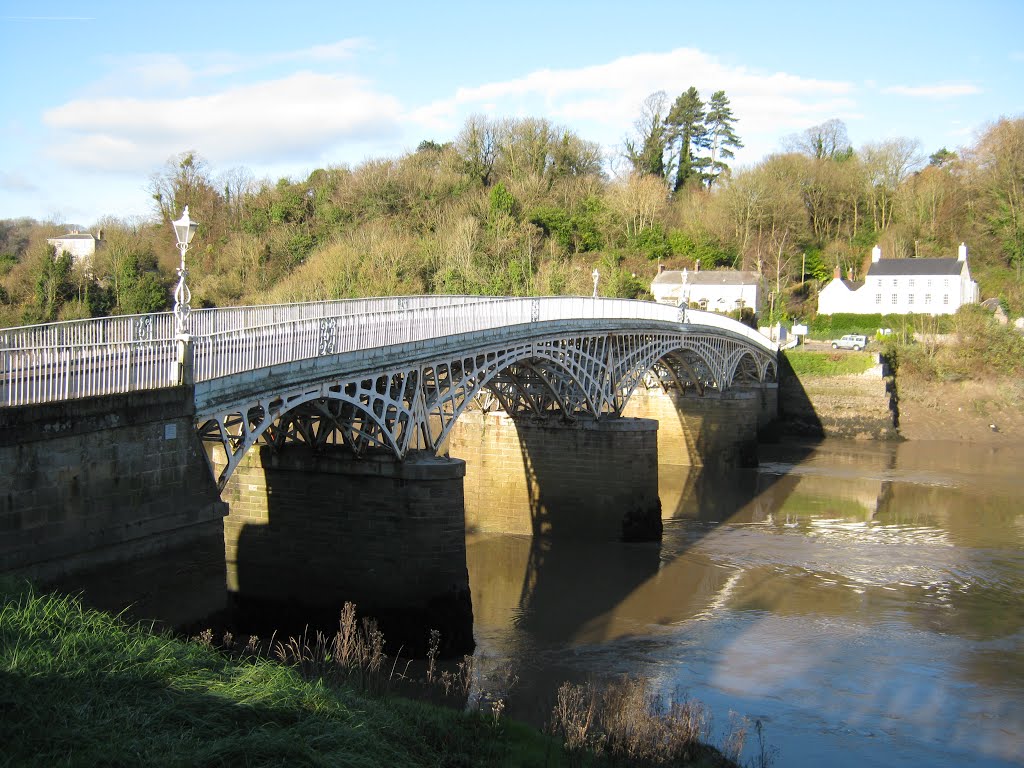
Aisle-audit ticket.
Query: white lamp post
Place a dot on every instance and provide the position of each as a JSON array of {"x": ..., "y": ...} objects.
[
  {"x": 596, "y": 275},
  {"x": 184, "y": 230}
]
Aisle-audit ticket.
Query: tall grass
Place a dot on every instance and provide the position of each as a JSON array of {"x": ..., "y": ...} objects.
[{"x": 80, "y": 687}]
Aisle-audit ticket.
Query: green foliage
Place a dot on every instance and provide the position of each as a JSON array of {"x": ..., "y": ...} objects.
[
  {"x": 650, "y": 242},
  {"x": 577, "y": 232},
  {"x": 299, "y": 246},
  {"x": 814, "y": 267},
  {"x": 700, "y": 247},
  {"x": 842, "y": 323},
  {"x": 503, "y": 202},
  {"x": 829, "y": 363},
  {"x": 53, "y": 286},
  {"x": 977, "y": 348}
]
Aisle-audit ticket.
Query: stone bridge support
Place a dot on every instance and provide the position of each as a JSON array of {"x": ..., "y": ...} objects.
[
  {"x": 715, "y": 432},
  {"x": 716, "y": 429},
  {"x": 112, "y": 496},
  {"x": 309, "y": 531},
  {"x": 548, "y": 477}
]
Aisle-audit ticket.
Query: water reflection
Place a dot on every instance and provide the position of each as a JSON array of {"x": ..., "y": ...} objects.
[{"x": 864, "y": 599}]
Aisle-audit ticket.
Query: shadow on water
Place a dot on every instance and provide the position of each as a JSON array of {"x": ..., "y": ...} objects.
[{"x": 567, "y": 590}]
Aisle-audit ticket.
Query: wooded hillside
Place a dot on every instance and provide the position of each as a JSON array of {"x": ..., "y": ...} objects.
[{"x": 524, "y": 207}]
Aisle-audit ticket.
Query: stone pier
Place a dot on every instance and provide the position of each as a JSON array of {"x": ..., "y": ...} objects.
[
  {"x": 716, "y": 429},
  {"x": 547, "y": 477},
  {"x": 112, "y": 497},
  {"x": 308, "y": 532}
]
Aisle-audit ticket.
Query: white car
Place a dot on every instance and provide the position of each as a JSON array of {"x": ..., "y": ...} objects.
[{"x": 851, "y": 341}]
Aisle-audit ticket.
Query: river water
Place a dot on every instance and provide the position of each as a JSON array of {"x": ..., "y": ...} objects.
[{"x": 865, "y": 602}]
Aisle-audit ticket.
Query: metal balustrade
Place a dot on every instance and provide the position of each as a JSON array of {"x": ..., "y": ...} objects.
[
  {"x": 160, "y": 325},
  {"x": 120, "y": 354}
]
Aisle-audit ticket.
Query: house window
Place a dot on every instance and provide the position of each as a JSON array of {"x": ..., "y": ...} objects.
[
  {"x": 946, "y": 282},
  {"x": 879, "y": 282},
  {"x": 894, "y": 283},
  {"x": 911, "y": 282},
  {"x": 894, "y": 299},
  {"x": 910, "y": 298},
  {"x": 945, "y": 298},
  {"x": 929, "y": 282},
  {"x": 928, "y": 298},
  {"x": 878, "y": 298}
]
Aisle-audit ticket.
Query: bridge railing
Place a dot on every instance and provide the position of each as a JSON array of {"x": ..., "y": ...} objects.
[
  {"x": 72, "y": 360},
  {"x": 45, "y": 374},
  {"x": 158, "y": 326},
  {"x": 230, "y": 352}
]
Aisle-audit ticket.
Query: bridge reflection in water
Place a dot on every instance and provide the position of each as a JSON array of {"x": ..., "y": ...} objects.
[{"x": 861, "y": 599}]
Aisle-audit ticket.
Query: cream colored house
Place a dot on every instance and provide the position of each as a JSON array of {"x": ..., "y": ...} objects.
[
  {"x": 81, "y": 245},
  {"x": 903, "y": 286},
  {"x": 716, "y": 290}
]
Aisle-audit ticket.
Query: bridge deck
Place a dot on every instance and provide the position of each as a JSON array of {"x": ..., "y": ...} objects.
[{"x": 61, "y": 361}]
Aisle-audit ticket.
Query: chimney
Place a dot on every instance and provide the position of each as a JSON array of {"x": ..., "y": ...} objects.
[
  {"x": 961, "y": 252},
  {"x": 661, "y": 268},
  {"x": 837, "y": 272},
  {"x": 876, "y": 254}
]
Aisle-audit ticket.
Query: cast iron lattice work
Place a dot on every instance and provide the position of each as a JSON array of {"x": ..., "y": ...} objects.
[{"x": 413, "y": 406}]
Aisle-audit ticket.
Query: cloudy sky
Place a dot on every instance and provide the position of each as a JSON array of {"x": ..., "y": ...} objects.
[{"x": 98, "y": 96}]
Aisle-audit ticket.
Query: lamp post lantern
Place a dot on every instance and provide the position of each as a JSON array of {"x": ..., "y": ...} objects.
[
  {"x": 596, "y": 275},
  {"x": 184, "y": 230}
]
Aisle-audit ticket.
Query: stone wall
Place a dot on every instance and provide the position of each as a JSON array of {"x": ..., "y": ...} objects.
[
  {"x": 113, "y": 495},
  {"x": 851, "y": 406},
  {"x": 312, "y": 531},
  {"x": 717, "y": 429},
  {"x": 546, "y": 477}
]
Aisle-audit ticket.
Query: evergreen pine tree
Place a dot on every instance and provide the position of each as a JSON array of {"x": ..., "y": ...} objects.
[
  {"x": 687, "y": 134},
  {"x": 719, "y": 122}
]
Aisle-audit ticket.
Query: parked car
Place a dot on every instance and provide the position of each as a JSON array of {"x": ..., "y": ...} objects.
[{"x": 850, "y": 341}]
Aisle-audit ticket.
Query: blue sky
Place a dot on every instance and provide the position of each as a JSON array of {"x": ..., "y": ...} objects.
[{"x": 98, "y": 96}]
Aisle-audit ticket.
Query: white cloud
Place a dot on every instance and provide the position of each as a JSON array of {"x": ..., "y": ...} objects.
[
  {"x": 602, "y": 101},
  {"x": 938, "y": 91},
  {"x": 303, "y": 116},
  {"x": 14, "y": 181}
]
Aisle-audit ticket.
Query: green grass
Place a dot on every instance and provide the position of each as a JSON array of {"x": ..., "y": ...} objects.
[
  {"x": 829, "y": 363},
  {"x": 80, "y": 687}
]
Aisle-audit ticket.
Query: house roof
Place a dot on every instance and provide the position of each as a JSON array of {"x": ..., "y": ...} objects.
[
  {"x": 853, "y": 285},
  {"x": 710, "y": 277},
  {"x": 75, "y": 236},
  {"x": 915, "y": 267}
]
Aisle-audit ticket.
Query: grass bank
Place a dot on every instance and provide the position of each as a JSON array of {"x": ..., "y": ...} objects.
[
  {"x": 829, "y": 363},
  {"x": 80, "y": 687}
]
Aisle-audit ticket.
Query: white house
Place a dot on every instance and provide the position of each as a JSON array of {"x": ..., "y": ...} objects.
[
  {"x": 716, "y": 291},
  {"x": 81, "y": 245},
  {"x": 903, "y": 286}
]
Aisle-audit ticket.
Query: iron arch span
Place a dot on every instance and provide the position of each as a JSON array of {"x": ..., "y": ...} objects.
[{"x": 412, "y": 404}]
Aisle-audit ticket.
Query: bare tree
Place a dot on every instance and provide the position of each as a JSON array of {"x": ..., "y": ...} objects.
[
  {"x": 646, "y": 153},
  {"x": 828, "y": 141},
  {"x": 888, "y": 164},
  {"x": 477, "y": 143}
]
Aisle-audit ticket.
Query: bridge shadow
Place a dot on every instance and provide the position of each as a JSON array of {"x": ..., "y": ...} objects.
[
  {"x": 310, "y": 530},
  {"x": 797, "y": 415},
  {"x": 554, "y": 590}
]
